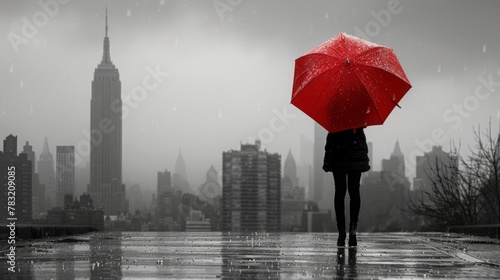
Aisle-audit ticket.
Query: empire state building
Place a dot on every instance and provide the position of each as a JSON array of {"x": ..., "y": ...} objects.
[{"x": 106, "y": 188}]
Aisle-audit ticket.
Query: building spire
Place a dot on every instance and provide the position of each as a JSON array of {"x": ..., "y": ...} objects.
[
  {"x": 106, "y": 22},
  {"x": 46, "y": 155},
  {"x": 106, "y": 58},
  {"x": 397, "y": 150}
]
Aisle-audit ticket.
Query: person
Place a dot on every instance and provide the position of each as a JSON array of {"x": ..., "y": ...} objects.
[{"x": 346, "y": 156}]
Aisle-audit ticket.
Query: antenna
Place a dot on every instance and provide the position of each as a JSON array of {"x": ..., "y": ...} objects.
[{"x": 106, "y": 21}]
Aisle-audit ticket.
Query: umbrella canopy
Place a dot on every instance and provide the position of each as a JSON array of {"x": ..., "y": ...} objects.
[{"x": 348, "y": 82}]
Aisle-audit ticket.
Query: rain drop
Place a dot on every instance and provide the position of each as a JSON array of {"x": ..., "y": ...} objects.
[
  {"x": 22, "y": 84},
  {"x": 484, "y": 48},
  {"x": 465, "y": 67},
  {"x": 439, "y": 68},
  {"x": 162, "y": 2},
  {"x": 326, "y": 16},
  {"x": 11, "y": 68},
  {"x": 129, "y": 12},
  {"x": 368, "y": 111}
]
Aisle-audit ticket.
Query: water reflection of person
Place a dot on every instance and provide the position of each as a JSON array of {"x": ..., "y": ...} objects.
[
  {"x": 349, "y": 272},
  {"x": 346, "y": 156}
]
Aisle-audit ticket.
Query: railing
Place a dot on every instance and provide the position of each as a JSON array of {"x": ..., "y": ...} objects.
[{"x": 479, "y": 230}]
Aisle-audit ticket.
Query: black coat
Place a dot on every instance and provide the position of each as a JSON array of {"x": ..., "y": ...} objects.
[{"x": 346, "y": 151}]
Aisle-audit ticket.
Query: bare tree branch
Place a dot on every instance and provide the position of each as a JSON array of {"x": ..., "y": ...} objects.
[{"x": 463, "y": 191}]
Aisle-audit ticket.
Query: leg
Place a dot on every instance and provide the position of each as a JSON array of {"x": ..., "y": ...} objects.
[
  {"x": 340, "y": 191},
  {"x": 355, "y": 204},
  {"x": 354, "y": 195}
]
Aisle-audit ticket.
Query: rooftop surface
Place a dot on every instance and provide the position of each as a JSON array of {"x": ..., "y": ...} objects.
[{"x": 211, "y": 255}]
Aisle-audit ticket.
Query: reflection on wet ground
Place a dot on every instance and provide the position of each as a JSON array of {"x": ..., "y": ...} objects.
[{"x": 179, "y": 255}]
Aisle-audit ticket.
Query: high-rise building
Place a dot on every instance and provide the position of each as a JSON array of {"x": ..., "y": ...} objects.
[
  {"x": 28, "y": 150},
  {"x": 210, "y": 190},
  {"x": 290, "y": 171},
  {"x": 82, "y": 178},
  {"x": 396, "y": 188},
  {"x": 10, "y": 145},
  {"x": 166, "y": 206},
  {"x": 179, "y": 178},
  {"x": 304, "y": 165},
  {"x": 135, "y": 199},
  {"x": 37, "y": 189},
  {"x": 426, "y": 165},
  {"x": 47, "y": 176},
  {"x": 106, "y": 188},
  {"x": 292, "y": 196},
  {"x": 396, "y": 163},
  {"x": 16, "y": 183},
  {"x": 65, "y": 173},
  {"x": 251, "y": 190},
  {"x": 322, "y": 188},
  {"x": 164, "y": 183}
]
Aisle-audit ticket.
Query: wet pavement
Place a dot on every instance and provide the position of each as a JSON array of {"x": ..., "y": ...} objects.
[{"x": 178, "y": 255}]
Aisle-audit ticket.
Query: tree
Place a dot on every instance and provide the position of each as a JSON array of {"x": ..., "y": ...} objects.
[
  {"x": 484, "y": 166},
  {"x": 452, "y": 197},
  {"x": 464, "y": 190}
]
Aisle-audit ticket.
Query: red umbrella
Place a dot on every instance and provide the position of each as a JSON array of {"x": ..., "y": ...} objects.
[{"x": 347, "y": 82}]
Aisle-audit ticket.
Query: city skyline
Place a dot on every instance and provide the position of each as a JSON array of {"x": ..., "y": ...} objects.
[{"x": 218, "y": 78}]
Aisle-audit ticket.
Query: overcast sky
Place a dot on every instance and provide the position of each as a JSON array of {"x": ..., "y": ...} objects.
[{"x": 224, "y": 72}]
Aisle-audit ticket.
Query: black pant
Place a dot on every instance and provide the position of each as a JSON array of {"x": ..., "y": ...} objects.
[{"x": 347, "y": 181}]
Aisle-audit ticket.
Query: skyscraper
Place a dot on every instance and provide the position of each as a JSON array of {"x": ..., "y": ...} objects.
[
  {"x": 290, "y": 170},
  {"x": 426, "y": 167},
  {"x": 304, "y": 165},
  {"x": 106, "y": 188},
  {"x": 210, "y": 190},
  {"x": 165, "y": 212},
  {"x": 292, "y": 196},
  {"x": 47, "y": 175},
  {"x": 396, "y": 163},
  {"x": 322, "y": 189},
  {"x": 65, "y": 173},
  {"x": 251, "y": 190},
  {"x": 179, "y": 178},
  {"x": 37, "y": 189},
  {"x": 396, "y": 187},
  {"x": 10, "y": 145},
  {"x": 164, "y": 183},
  {"x": 20, "y": 174}
]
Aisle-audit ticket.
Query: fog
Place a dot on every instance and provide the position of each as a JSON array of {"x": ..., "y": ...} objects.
[{"x": 223, "y": 70}]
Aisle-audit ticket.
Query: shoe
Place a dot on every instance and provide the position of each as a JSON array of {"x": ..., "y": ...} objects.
[
  {"x": 341, "y": 239},
  {"x": 352, "y": 234}
]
